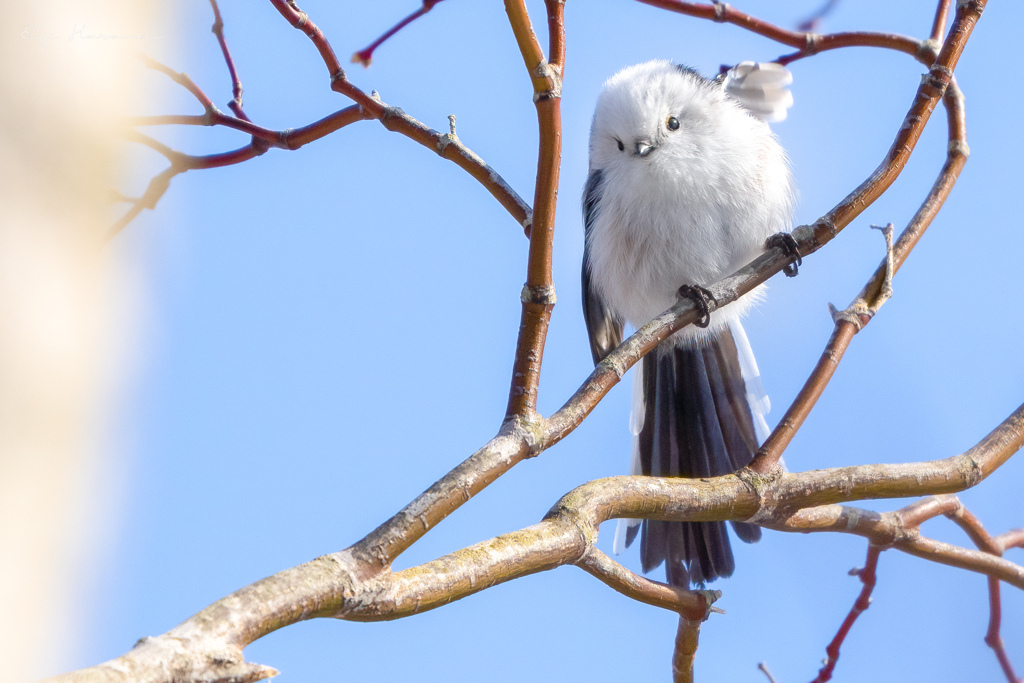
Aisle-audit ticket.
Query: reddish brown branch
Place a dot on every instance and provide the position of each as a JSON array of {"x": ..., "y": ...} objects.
[
  {"x": 723, "y": 13},
  {"x": 932, "y": 88},
  {"x": 556, "y": 34},
  {"x": 170, "y": 120},
  {"x": 917, "y": 513},
  {"x": 538, "y": 294},
  {"x": 289, "y": 139},
  {"x": 810, "y": 238},
  {"x": 301, "y": 21},
  {"x": 817, "y": 43},
  {"x": 992, "y": 636},
  {"x": 1014, "y": 538},
  {"x": 867, "y": 577},
  {"x": 365, "y": 56},
  {"x": 447, "y": 145},
  {"x": 994, "y": 545},
  {"x": 236, "y": 83},
  {"x": 394, "y": 119},
  {"x": 898, "y": 530},
  {"x": 868, "y": 301},
  {"x": 807, "y": 42},
  {"x": 214, "y": 117},
  {"x": 814, "y": 21},
  {"x": 950, "y": 506},
  {"x": 939, "y": 24},
  {"x": 181, "y": 79},
  {"x": 806, "y": 399},
  {"x": 685, "y": 652},
  {"x": 964, "y": 558}
]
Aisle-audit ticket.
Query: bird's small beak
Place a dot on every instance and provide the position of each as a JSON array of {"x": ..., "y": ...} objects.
[{"x": 644, "y": 147}]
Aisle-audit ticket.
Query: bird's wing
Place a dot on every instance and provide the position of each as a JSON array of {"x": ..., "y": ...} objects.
[
  {"x": 761, "y": 88},
  {"x": 603, "y": 326}
]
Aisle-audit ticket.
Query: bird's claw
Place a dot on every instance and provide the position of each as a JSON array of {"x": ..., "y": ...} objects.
[
  {"x": 701, "y": 298},
  {"x": 789, "y": 246}
]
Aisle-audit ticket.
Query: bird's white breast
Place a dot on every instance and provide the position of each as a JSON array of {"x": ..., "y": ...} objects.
[{"x": 693, "y": 211}]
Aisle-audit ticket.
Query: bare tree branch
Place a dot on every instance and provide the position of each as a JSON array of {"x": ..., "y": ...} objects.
[
  {"x": 693, "y": 604},
  {"x": 365, "y": 56},
  {"x": 347, "y": 585},
  {"x": 357, "y": 583},
  {"x": 236, "y": 83},
  {"x": 875, "y": 292},
  {"x": 538, "y": 294},
  {"x": 685, "y": 654},
  {"x": 867, "y": 577}
]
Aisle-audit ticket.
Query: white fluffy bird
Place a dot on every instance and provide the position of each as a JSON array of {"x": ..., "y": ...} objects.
[{"x": 686, "y": 184}]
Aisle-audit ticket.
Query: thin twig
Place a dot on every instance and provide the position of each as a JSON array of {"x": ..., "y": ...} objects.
[
  {"x": 181, "y": 79},
  {"x": 939, "y": 23},
  {"x": 236, "y": 83},
  {"x": 994, "y": 545},
  {"x": 813, "y": 22},
  {"x": 556, "y": 34},
  {"x": 816, "y": 44},
  {"x": 365, "y": 56},
  {"x": 290, "y": 139},
  {"x": 154, "y": 191},
  {"x": 867, "y": 576},
  {"x": 301, "y": 21},
  {"x": 394, "y": 119},
  {"x": 873, "y": 295},
  {"x": 763, "y": 668},
  {"x": 447, "y": 145}
]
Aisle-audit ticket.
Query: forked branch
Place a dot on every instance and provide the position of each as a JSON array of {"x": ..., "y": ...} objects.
[{"x": 358, "y": 584}]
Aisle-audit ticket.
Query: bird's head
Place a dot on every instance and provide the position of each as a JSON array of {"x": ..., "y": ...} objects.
[{"x": 652, "y": 114}]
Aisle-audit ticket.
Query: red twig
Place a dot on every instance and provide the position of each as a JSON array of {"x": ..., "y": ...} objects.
[
  {"x": 813, "y": 22},
  {"x": 723, "y": 13},
  {"x": 992, "y": 636},
  {"x": 912, "y": 516},
  {"x": 236, "y": 83},
  {"x": 1014, "y": 538},
  {"x": 556, "y": 34},
  {"x": 447, "y": 145},
  {"x": 394, "y": 119},
  {"x": 181, "y": 79},
  {"x": 868, "y": 578},
  {"x": 939, "y": 25},
  {"x": 996, "y": 546},
  {"x": 807, "y": 41},
  {"x": 821, "y": 43},
  {"x": 365, "y": 56},
  {"x": 180, "y": 163},
  {"x": 859, "y": 314},
  {"x": 301, "y": 21},
  {"x": 213, "y": 118}
]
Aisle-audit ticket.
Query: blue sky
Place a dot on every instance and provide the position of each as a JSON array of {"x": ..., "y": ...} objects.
[{"x": 328, "y": 331}]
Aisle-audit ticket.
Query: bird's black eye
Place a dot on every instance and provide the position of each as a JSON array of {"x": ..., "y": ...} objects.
[
  {"x": 622, "y": 147},
  {"x": 672, "y": 123}
]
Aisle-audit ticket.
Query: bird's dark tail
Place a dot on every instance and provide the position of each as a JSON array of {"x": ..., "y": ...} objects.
[{"x": 697, "y": 422}]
